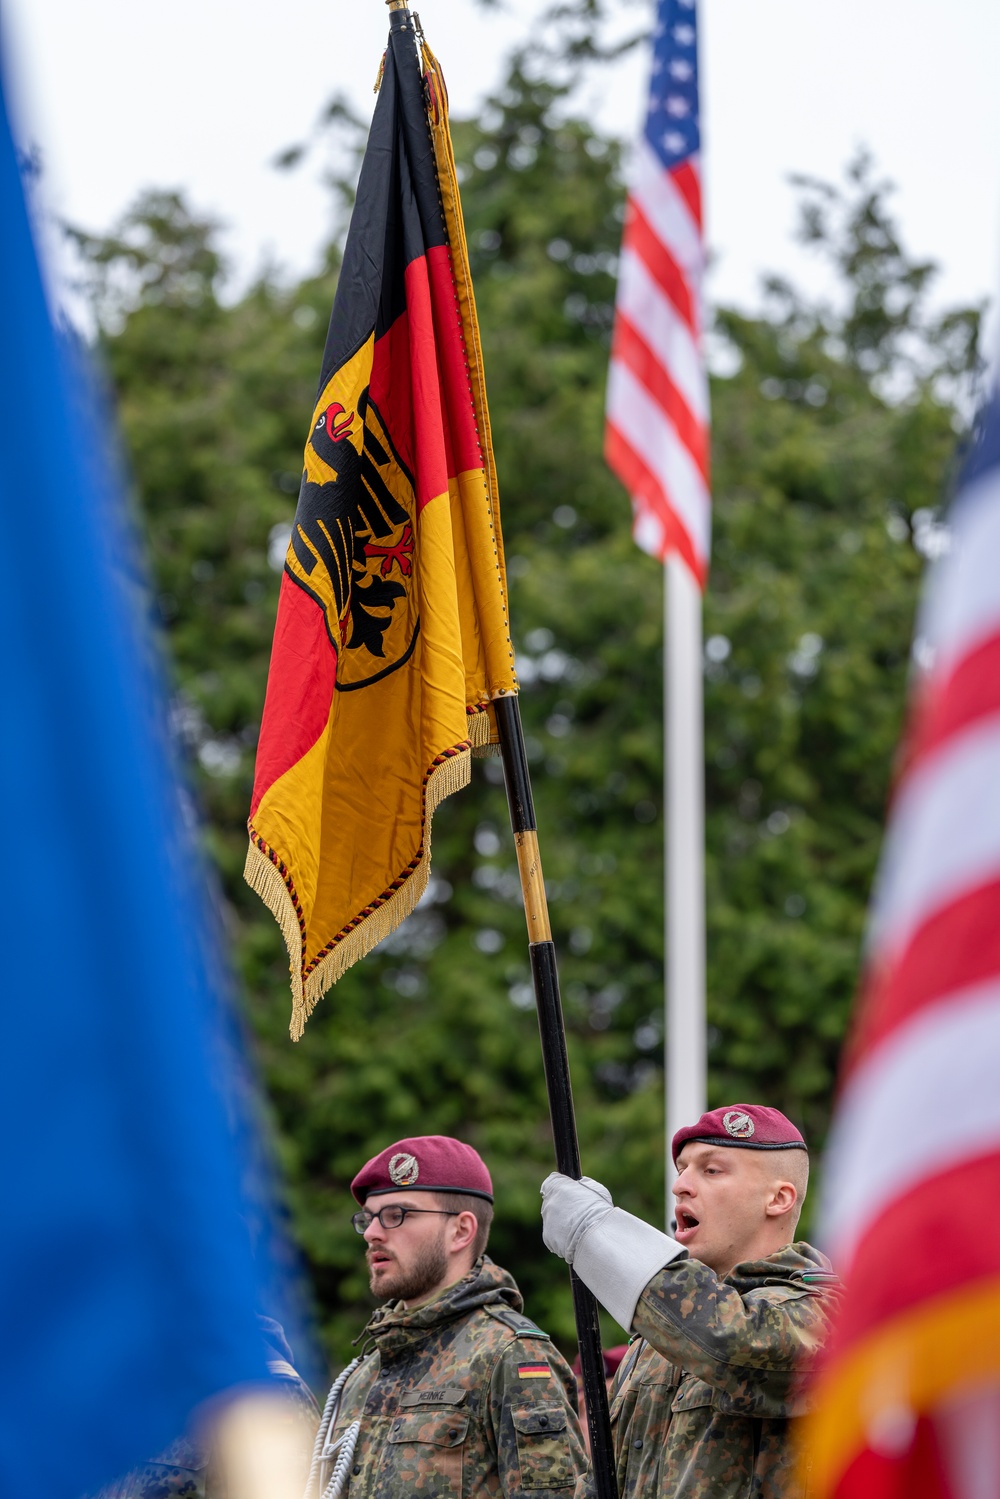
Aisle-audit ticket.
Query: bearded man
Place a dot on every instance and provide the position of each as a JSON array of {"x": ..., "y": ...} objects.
[
  {"x": 727, "y": 1315},
  {"x": 459, "y": 1393}
]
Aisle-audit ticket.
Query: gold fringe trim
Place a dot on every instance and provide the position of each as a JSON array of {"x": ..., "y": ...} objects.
[
  {"x": 451, "y": 206},
  {"x": 482, "y": 729},
  {"x": 260, "y": 874},
  {"x": 483, "y": 734},
  {"x": 451, "y": 775}
]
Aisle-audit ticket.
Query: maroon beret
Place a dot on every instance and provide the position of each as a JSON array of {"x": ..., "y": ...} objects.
[
  {"x": 749, "y": 1125},
  {"x": 425, "y": 1163}
]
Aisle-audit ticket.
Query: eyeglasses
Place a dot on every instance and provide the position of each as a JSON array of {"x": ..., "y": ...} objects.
[{"x": 392, "y": 1216}]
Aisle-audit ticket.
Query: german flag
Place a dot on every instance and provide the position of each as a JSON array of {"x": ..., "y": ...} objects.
[{"x": 392, "y": 637}]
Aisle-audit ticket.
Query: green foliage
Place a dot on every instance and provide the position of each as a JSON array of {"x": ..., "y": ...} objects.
[{"x": 822, "y": 483}]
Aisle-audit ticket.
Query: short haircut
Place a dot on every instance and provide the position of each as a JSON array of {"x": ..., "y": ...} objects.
[
  {"x": 466, "y": 1202},
  {"x": 793, "y": 1165}
]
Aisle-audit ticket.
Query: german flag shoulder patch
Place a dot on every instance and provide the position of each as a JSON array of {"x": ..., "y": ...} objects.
[{"x": 534, "y": 1371}]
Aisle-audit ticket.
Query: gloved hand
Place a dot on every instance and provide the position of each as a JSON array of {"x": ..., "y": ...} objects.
[
  {"x": 569, "y": 1209},
  {"x": 612, "y": 1252}
]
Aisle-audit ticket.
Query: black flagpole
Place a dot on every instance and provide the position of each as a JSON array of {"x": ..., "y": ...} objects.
[{"x": 545, "y": 977}]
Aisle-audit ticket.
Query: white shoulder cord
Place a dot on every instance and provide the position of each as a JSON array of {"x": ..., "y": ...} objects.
[{"x": 340, "y": 1452}]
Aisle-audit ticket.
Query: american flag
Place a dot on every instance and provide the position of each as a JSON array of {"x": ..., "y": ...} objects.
[
  {"x": 656, "y": 438},
  {"x": 910, "y": 1399}
]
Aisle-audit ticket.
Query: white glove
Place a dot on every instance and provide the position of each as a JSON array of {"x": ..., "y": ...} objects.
[
  {"x": 613, "y": 1253},
  {"x": 569, "y": 1209}
]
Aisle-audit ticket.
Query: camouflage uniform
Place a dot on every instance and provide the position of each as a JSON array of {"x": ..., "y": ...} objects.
[
  {"x": 702, "y": 1400},
  {"x": 463, "y": 1396}
]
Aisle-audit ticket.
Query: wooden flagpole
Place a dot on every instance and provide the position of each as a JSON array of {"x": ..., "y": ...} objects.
[{"x": 545, "y": 978}]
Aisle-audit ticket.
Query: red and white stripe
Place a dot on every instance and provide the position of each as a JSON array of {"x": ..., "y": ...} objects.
[
  {"x": 657, "y": 434},
  {"x": 933, "y": 960},
  {"x": 911, "y": 1209}
]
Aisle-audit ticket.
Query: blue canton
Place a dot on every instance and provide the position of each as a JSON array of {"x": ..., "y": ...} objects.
[{"x": 672, "y": 124}]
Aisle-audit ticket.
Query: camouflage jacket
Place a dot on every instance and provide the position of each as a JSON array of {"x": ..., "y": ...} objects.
[
  {"x": 463, "y": 1397},
  {"x": 702, "y": 1402}
]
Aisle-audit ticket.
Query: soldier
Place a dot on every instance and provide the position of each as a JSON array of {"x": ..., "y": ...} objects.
[
  {"x": 726, "y": 1316},
  {"x": 456, "y": 1393}
]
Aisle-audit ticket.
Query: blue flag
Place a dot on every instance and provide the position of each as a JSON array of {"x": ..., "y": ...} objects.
[{"x": 128, "y": 1289}]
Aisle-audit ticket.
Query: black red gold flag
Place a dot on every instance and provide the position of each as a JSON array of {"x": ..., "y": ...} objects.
[{"x": 392, "y": 636}]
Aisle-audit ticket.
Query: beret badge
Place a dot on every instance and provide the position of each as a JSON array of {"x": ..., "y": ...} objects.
[
  {"x": 737, "y": 1123},
  {"x": 752, "y": 1126},
  {"x": 404, "y": 1169}
]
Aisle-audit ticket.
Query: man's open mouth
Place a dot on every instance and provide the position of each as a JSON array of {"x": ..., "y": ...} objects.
[
  {"x": 686, "y": 1222},
  {"x": 378, "y": 1258}
]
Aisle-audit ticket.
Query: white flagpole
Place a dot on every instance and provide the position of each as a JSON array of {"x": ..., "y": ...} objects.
[{"x": 684, "y": 854}]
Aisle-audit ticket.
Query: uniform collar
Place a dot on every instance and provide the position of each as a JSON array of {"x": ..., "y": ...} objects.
[
  {"x": 395, "y": 1327},
  {"x": 796, "y": 1262}
]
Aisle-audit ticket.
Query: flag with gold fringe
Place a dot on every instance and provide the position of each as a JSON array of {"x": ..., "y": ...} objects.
[{"x": 392, "y": 636}]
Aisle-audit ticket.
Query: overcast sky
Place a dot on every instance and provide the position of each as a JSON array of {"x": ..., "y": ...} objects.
[{"x": 201, "y": 94}]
